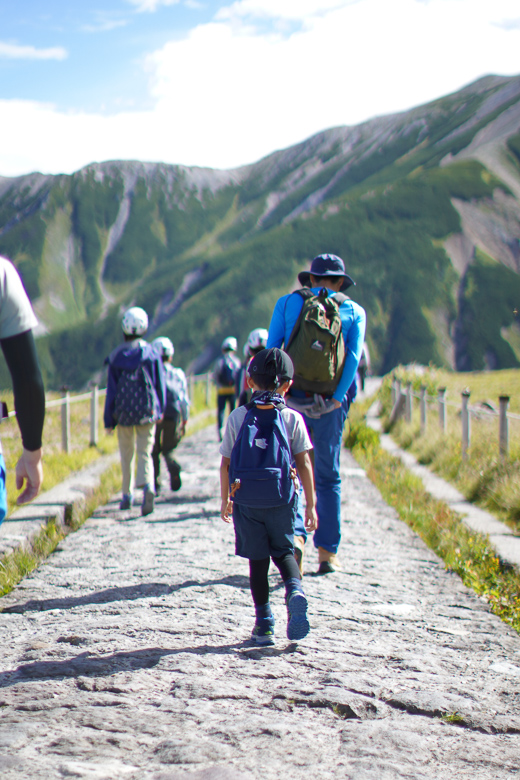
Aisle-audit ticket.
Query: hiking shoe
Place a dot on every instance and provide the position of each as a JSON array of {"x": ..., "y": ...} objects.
[
  {"x": 263, "y": 631},
  {"x": 148, "y": 502},
  {"x": 329, "y": 562},
  {"x": 297, "y": 623},
  {"x": 126, "y": 501},
  {"x": 175, "y": 481},
  {"x": 299, "y": 548}
]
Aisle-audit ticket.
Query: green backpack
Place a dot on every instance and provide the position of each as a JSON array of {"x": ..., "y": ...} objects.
[{"x": 316, "y": 345}]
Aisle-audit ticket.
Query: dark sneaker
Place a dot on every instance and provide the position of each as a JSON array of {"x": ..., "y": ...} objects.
[
  {"x": 126, "y": 501},
  {"x": 175, "y": 481},
  {"x": 297, "y": 623},
  {"x": 148, "y": 502},
  {"x": 263, "y": 632}
]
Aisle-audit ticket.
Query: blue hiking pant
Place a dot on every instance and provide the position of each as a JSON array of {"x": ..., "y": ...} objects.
[{"x": 326, "y": 435}]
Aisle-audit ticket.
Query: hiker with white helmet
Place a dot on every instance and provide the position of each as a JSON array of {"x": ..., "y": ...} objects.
[
  {"x": 170, "y": 430},
  {"x": 225, "y": 375},
  {"x": 255, "y": 342},
  {"x": 135, "y": 401}
]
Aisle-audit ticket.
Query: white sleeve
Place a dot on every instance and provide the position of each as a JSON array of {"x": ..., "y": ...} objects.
[{"x": 16, "y": 314}]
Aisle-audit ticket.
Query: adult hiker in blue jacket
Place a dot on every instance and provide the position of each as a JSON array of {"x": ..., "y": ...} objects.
[
  {"x": 324, "y": 415},
  {"x": 135, "y": 401}
]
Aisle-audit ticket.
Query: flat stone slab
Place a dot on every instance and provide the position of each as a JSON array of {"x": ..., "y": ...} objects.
[
  {"x": 127, "y": 655},
  {"x": 59, "y": 502}
]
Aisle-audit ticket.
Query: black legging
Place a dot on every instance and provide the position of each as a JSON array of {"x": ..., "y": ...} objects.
[{"x": 259, "y": 571}]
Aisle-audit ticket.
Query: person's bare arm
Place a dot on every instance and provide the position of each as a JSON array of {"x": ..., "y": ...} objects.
[
  {"x": 306, "y": 474},
  {"x": 226, "y": 506}
]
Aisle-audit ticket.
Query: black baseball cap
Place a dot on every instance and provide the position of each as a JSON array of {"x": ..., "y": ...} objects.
[
  {"x": 326, "y": 265},
  {"x": 271, "y": 362}
]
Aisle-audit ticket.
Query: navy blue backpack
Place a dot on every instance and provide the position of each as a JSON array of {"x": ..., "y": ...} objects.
[{"x": 260, "y": 470}]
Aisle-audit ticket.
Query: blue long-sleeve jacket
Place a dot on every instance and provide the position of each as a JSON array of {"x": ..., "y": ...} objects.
[
  {"x": 127, "y": 357},
  {"x": 353, "y": 324}
]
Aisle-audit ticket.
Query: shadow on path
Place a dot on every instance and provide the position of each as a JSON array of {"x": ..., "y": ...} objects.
[
  {"x": 87, "y": 665},
  {"x": 130, "y": 593}
]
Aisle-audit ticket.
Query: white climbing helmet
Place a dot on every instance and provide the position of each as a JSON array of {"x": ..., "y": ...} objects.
[
  {"x": 256, "y": 341},
  {"x": 135, "y": 321},
  {"x": 164, "y": 346},
  {"x": 230, "y": 344}
]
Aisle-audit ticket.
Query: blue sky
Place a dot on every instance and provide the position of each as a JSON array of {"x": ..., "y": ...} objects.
[{"x": 221, "y": 84}]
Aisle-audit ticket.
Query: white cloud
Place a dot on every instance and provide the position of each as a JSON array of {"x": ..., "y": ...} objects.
[
  {"x": 227, "y": 94},
  {"x": 151, "y": 5},
  {"x": 14, "y": 51},
  {"x": 281, "y": 9}
]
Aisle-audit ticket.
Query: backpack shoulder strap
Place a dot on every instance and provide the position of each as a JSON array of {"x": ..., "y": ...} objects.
[
  {"x": 340, "y": 298},
  {"x": 305, "y": 293}
]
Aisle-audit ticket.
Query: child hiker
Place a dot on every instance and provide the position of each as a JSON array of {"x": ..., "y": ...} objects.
[
  {"x": 135, "y": 400},
  {"x": 258, "y": 490},
  {"x": 169, "y": 431}
]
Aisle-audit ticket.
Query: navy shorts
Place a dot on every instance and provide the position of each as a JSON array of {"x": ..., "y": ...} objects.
[{"x": 264, "y": 532}]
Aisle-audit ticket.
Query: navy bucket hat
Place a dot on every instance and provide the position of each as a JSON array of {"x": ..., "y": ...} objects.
[{"x": 326, "y": 265}]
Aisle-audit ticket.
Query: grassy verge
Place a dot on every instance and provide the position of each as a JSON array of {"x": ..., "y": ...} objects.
[
  {"x": 463, "y": 551},
  {"x": 483, "y": 477},
  {"x": 16, "y": 565}
]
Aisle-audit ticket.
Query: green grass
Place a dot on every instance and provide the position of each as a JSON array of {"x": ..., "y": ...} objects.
[
  {"x": 483, "y": 476},
  {"x": 464, "y": 552}
]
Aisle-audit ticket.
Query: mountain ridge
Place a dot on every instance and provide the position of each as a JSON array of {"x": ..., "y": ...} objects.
[{"x": 419, "y": 203}]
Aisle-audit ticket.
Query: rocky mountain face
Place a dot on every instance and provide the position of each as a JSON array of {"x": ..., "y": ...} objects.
[{"x": 423, "y": 206}]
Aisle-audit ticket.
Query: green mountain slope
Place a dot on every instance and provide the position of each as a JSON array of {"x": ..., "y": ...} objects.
[{"x": 423, "y": 206}]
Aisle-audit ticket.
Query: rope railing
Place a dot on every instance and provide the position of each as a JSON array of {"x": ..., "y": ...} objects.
[
  {"x": 402, "y": 404},
  {"x": 93, "y": 396}
]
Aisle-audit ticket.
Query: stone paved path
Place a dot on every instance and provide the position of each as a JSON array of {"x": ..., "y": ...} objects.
[{"x": 127, "y": 656}]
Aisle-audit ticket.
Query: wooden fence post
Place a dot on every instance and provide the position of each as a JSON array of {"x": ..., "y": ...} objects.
[
  {"x": 65, "y": 421},
  {"x": 423, "y": 408},
  {"x": 465, "y": 423},
  {"x": 393, "y": 392},
  {"x": 503, "y": 426},
  {"x": 94, "y": 416},
  {"x": 409, "y": 400},
  {"x": 442, "y": 409}
]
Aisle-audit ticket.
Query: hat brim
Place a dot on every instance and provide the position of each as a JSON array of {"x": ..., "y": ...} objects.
[{"x": 305, "y": 280}]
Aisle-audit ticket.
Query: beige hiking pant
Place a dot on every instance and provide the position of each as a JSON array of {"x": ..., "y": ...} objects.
[{"x": 136, "y": 439}]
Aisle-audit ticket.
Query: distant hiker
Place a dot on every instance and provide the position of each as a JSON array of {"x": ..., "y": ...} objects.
[
  {"x": 258, "y": 492},
  {"x": 364, "y": 366},
  {"x": 17, "y": 320},
  {"x": 135, "y": 401},
  {"x": 323, "y": 331},
  {"x": 172, "y": 428},
  {"x": 224, "y": 376},
  {"x": 255, "y": 342}
]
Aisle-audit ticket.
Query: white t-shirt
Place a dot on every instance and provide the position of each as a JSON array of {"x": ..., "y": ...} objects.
[
  {"x": 16, "y": 314},
  {"x": 299, "y": 440}
]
